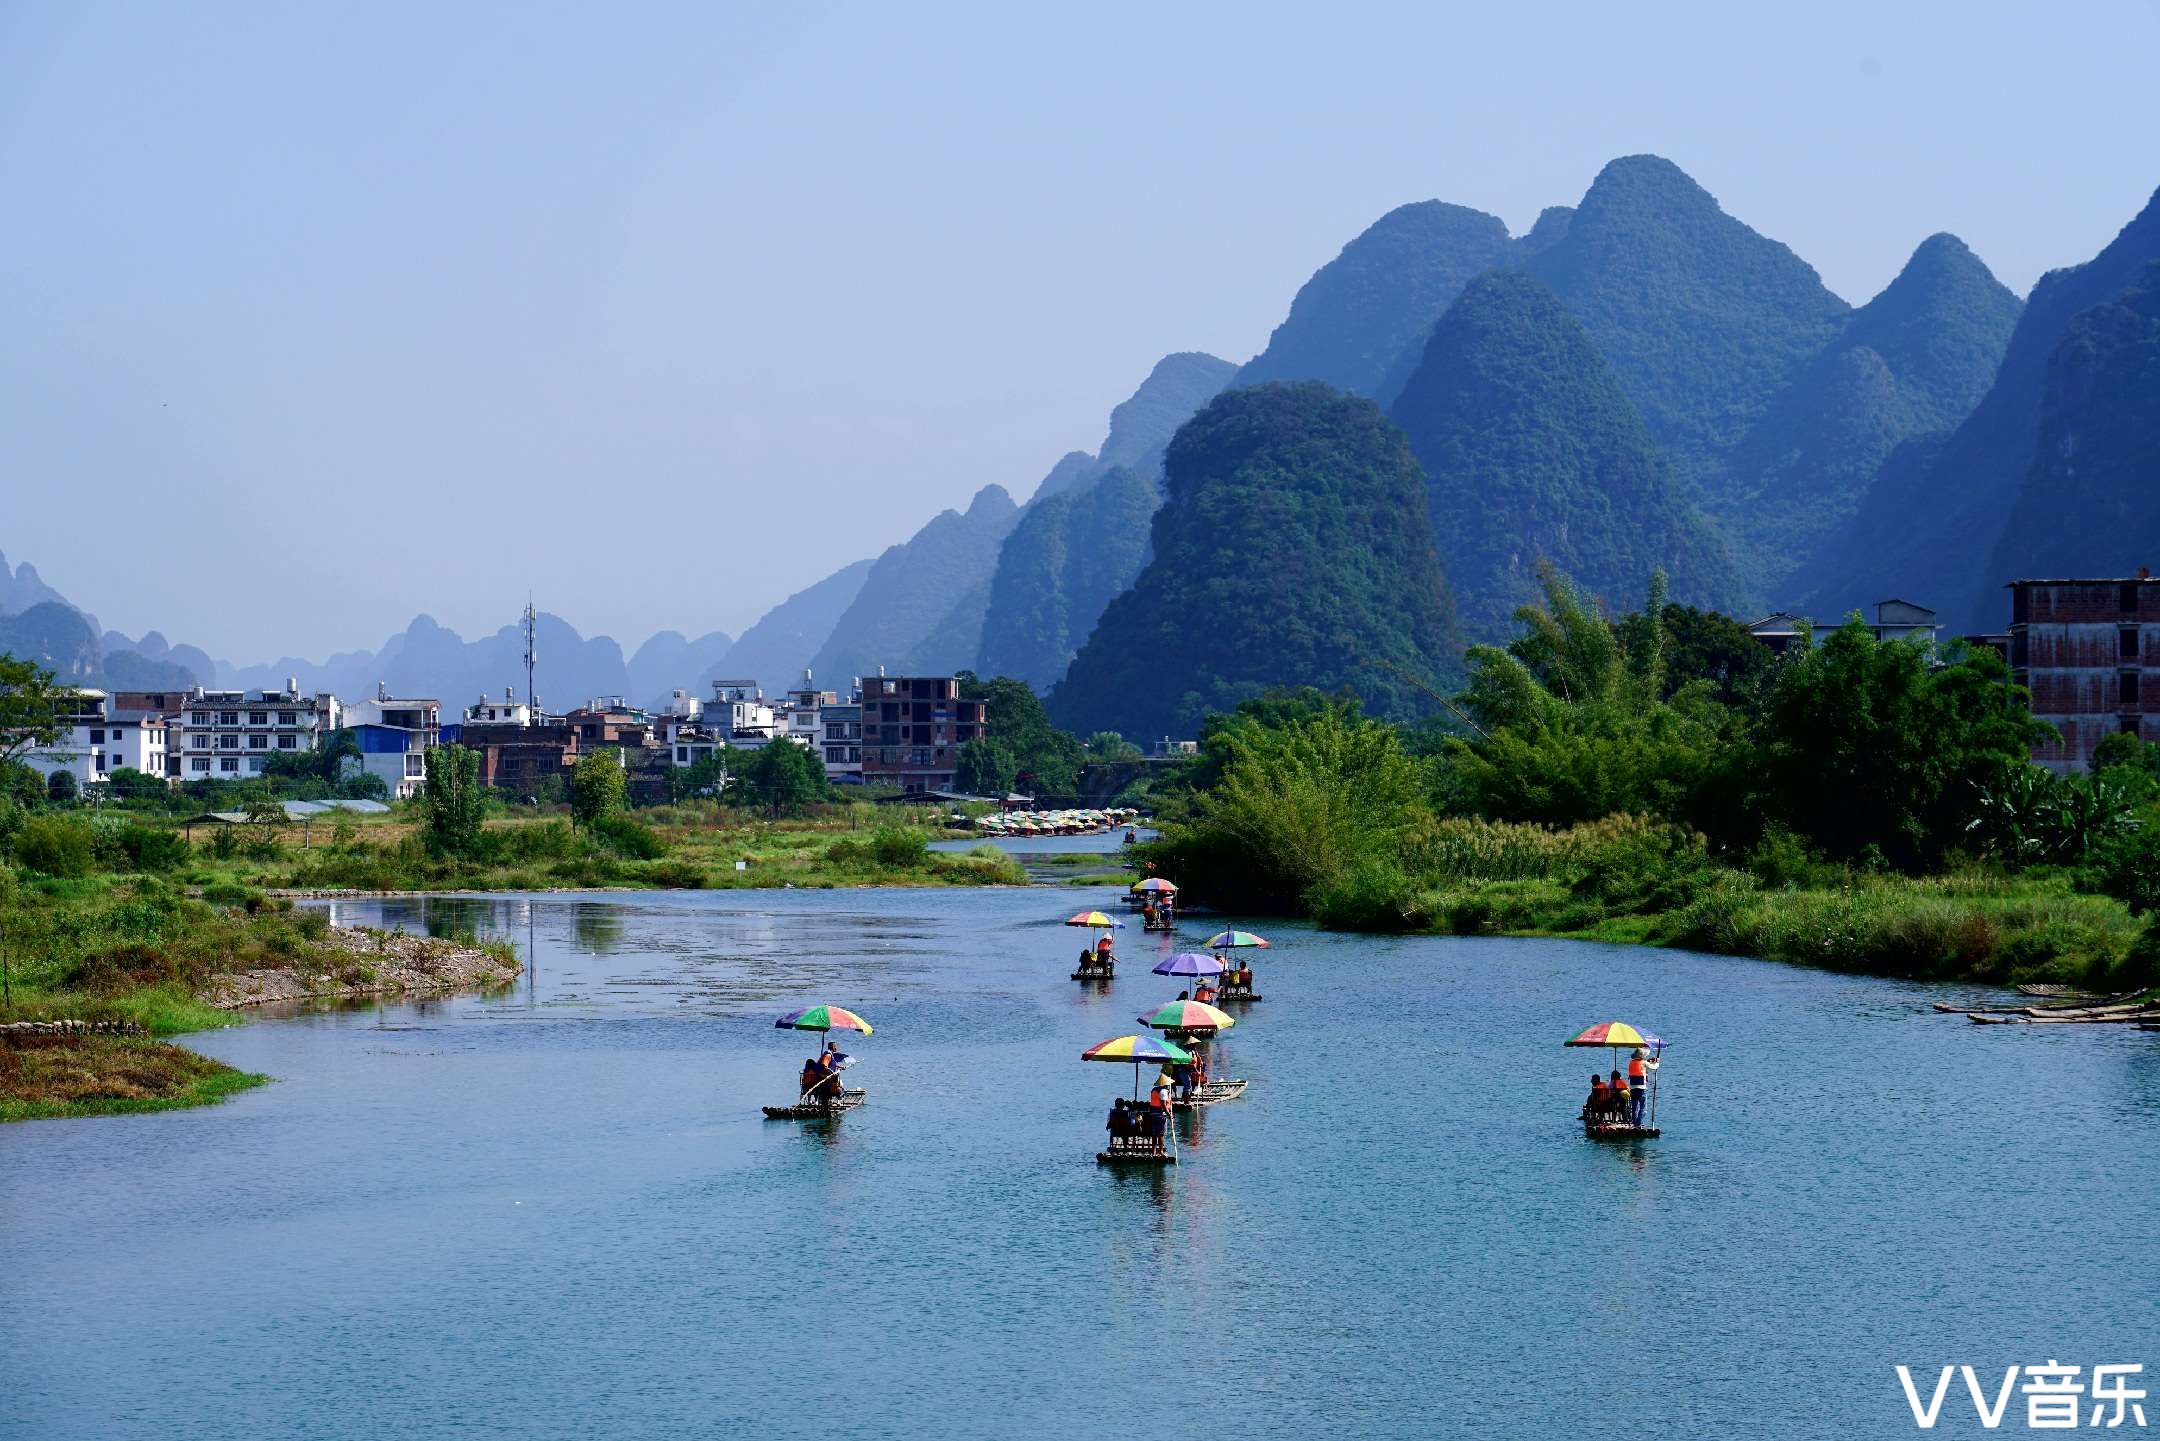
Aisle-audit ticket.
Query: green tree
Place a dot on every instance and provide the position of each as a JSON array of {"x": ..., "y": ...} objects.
[
  {"x": 783, "y": 778},
  {"x": 30, "y": 708},
  {"x": 129, "y": 784},
  {"x": 1110, "y": 746},
  {"x": 60, "y": 787},
  {"x": 986, "y": 767},
  {"x": 1043, "y": 760},
  {"x": 453, "y": 803},
  {"x": 1872, "y": 746},
  {"x": 597, "y": 787},
  {"x": 1302, "y": 798}
]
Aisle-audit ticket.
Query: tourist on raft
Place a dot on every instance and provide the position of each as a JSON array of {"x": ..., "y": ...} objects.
[
  {"x": 1205, "y": 995},
  {"x": 1593, "y": 1110},
  {"x": 1639, "y": 1067}
]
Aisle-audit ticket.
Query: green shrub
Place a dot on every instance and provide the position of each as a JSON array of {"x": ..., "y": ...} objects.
[
  {"x": 628, "y": 838},
  {"x": 899, "y": 846},
  {"x": 56, "y": 845},
  {"x": 1372, "y": 895},
  {"x": 675, "y": 875}
]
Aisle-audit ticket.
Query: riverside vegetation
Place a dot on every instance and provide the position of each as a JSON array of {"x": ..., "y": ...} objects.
[{"x": 1660, "y": 778}]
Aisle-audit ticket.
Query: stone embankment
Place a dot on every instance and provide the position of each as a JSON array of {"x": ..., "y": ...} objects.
[
  {"x": 34, "y": 1030},
  {"x": 370, "y": 963}
]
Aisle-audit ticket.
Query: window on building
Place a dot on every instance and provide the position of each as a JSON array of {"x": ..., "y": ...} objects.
[
  {"x": 286, "y": 718},
  {"x": 2126, "y": 643},
  {"x": 101, "y": 760},
  {"x": 199, "y": 718},
  {"x": 258, "y": 742},
  {"x": 228, "y": 718},
  {"x": 288, "y": 743},
  {"x": 2129, "y": 597},
  {"x": 228, "y": 743},
  {"x": 228, "y": 763},
  {"x": 2127, "y": 687},
  {"x": 199, "y": 763},
  {"x": 97, "y": 738},
  {"x": 2127, "y": 724},
  {"x": 258, "y": 717}
]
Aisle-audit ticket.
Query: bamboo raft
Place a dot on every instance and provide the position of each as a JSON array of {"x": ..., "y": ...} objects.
[
  {"x": 1617, "y": 1131},
  {"x": 1224, "y": 996},
  {"x": 1210, "y": 1093},
  {"x": 2135, "y": 1014},
  {"x": 1136, "y": 1151},
  {"x": 1094, "y": 973},
  {"x": 806, "y": 1109}
]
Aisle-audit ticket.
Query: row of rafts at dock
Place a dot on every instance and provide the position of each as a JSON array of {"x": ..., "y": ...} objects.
[{"x": 1178, "y": 1041}]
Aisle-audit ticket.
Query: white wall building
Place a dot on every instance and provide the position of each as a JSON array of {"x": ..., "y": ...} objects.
[
  {"x": 96, "y": 741},
  {"x": 225, "y": 735}
]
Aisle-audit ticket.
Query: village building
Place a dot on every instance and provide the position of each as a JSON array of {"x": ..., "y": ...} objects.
[
  {"x": 1894, "y": 620},
  {"x": 2089, "y": 652},
  {"x": 913, "y": 728},
  {"x": 226, "y": 735},
  {"x": 395, "y": 735}
]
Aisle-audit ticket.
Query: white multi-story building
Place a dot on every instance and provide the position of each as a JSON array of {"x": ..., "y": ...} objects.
[
  {"x": 226, "y": 735},
  {"x": 95, "y": 741},
  {"x": 739, "y": 715}
]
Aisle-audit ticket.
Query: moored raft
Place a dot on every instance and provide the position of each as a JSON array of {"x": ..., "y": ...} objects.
[
  {"x": 1617, "y": 1131},
  {"x": 1210, "y": 1093},
  {"x": 808, "y": 1109}
]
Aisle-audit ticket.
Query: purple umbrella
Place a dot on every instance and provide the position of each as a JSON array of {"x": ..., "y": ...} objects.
[{"x": 1189, "y": 963}]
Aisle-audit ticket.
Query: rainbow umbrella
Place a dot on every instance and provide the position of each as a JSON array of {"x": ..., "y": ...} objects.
[
  {"x": 1140, "y": 1051},
  {"x": 1095, "y": 919},
  {"x": 1189, "y": 963},
  {"x": 822, "y": 1018},
  {"x": 1155, "y": 883},
  {"x": 1610, "y": 1033},
  {"x": 1230, "y": 940},
  {"x": 1191, "y": 1018}
]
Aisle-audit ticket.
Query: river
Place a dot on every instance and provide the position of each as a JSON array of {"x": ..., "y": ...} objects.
[{"x": 558, "y": 1213}]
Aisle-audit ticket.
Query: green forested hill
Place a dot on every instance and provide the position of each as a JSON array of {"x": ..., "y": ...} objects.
[
  {"x": 1069, "y": 556},
  {"x": 911, "y": 601},
  {"x": 2090, "y": 504},
  {"x": 1703, "y": 320},
  {"x": 1532, "y": 452},
  {"x": 1292, "y": 549},
  {"x": 1933, "y": 537},
  {"x": 1082, "y": 538},
  {"x": 1912, "y": 361},
  {"x": 1353, "y": 320}
]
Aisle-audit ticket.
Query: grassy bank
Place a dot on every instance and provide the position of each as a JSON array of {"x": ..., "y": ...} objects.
[
  {"x": 1639, "y": 881},
  {"x": 692, "y": 847},
  {"x": 111, "y": 1075}
]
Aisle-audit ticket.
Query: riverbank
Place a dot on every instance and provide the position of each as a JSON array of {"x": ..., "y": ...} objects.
[
  {"x": 1637, "y": 882},
  {"x": 122, "y": 963}
]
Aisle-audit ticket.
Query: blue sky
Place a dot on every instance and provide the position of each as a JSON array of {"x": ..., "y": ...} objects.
[{"x": 317, "y": 317}]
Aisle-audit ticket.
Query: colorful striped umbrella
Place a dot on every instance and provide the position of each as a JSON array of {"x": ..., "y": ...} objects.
[
  {"x": 823, "y": 1018},
  {"x": 1139, "y": 1050},
  {"x": 1229, "y": 940},
  {"x": 1191, "y": 1018},
  {"x": 1095, "y": 919},
  {"x": 1610, "y": 1033},
  {"x": 1155, "y": 883},
  {"x": 1189, "y": 963}
]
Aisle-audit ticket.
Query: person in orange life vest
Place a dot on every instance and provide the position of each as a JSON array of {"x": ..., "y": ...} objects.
[
  {"x": 1639, "y": 1067},
  {"x": 1205, "y": 995},
  {"x": 1594, "y": 1108},
  {"x": 1616, "y": 1095}
]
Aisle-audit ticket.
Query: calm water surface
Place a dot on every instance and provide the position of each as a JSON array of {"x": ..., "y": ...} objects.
[{"x": 557, "y": 1213}]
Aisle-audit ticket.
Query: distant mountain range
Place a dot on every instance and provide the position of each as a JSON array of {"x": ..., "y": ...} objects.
[{"x": 1639, "y": 381}]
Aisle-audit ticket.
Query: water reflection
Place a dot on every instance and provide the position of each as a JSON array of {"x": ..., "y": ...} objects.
[{"x": 598, "y": 927}]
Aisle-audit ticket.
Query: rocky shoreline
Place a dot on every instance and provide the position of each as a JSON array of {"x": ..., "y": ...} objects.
[{"x": 369, "y": 963}]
